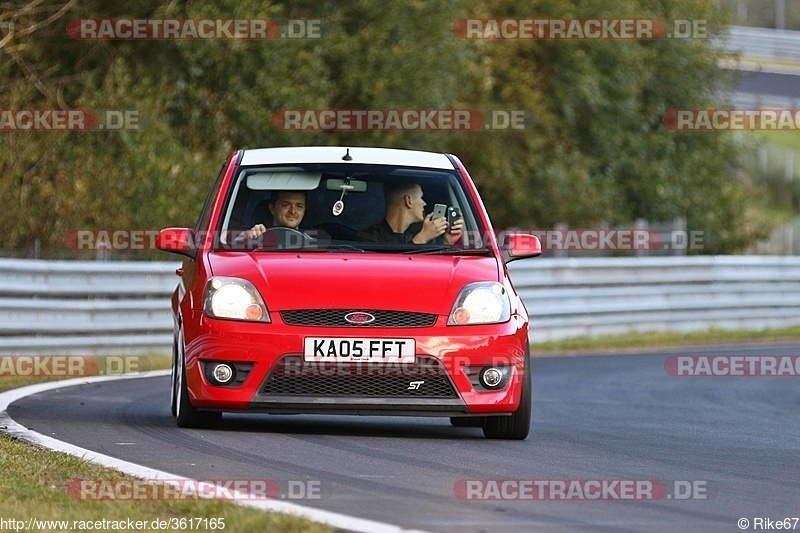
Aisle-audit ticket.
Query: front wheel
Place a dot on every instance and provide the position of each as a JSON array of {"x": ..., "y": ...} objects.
[
  {"x": 173, "y": 382},
  {"x": 518, "y": 425},
  {"x": 187, "y": 415}
]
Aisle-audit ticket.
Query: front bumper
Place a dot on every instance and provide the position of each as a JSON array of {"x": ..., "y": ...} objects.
[{"x": 455, "y": 351}]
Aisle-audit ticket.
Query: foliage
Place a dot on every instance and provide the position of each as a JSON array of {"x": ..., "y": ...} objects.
[{"x": 594, "y": 148}]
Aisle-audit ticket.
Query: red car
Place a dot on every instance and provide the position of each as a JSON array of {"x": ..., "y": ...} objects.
[{"x": 361, "y": 281}]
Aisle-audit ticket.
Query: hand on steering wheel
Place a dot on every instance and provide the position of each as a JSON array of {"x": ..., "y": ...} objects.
[{"x": 286, "y": 237}]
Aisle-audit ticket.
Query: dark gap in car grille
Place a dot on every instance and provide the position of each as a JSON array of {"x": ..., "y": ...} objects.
[
  {"x": 426, "y": 378},
  {"x": 335, "y": 318}
]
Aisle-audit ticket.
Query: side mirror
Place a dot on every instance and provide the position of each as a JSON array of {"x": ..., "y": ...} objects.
[
  {"x": 520, "y": 246},
  {"x": 178, "y": 241}
]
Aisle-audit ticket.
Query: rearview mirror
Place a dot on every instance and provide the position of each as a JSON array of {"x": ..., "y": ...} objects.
[{"x": 346, "y": 185}]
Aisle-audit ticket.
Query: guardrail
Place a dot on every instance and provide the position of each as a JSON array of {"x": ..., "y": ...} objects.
[
  {"x": 764, "y": 43},
  {"x": 89, "y": 308},
  {"x": 608, "y": 296},
  {"x": 779, "y": 49},
  {"x": 78, "y": 307}
]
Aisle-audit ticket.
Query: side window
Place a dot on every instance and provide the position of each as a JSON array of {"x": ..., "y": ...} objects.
[{"x": 205, "y": 214}]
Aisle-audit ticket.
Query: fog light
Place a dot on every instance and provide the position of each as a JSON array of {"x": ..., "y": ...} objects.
[
  {"x": 491, "y": 377},
  {"x": 223, "y": 373}
]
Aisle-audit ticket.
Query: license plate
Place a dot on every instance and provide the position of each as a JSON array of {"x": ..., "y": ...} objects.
[{"x": 359, "y": 349}]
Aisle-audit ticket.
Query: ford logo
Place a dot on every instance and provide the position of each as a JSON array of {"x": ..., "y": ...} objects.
[{"x": 359, "y": 318}]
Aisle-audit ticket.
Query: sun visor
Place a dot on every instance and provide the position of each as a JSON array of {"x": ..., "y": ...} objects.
[{"x": 283, "y": 180}]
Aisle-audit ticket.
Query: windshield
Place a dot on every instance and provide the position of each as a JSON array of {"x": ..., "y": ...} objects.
[{"x": 328, "y": 207}]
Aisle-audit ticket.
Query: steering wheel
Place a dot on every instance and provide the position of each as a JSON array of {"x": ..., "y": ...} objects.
[{"x": 289, "y": 237}]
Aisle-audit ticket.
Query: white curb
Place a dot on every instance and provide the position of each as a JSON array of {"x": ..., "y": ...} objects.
[{"x": 11, "y": 427}]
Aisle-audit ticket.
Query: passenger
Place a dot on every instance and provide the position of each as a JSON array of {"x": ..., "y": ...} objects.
[{"x": 405, "y": 221}]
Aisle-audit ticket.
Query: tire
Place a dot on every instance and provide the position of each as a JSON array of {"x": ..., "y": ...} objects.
[
  {"x": 187, "y": 415},
  {"x": 518, "y": 425},
  {"x": 173, "y": 382},
  {"x": 467, "y": 421}
]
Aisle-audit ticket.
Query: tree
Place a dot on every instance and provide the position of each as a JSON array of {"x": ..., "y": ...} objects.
[{"x": 594, "y": 148}]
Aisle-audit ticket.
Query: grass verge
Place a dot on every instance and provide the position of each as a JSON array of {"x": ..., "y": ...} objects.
[
  {"x": 34, "y": 485},
  {"x": 663, "y": 340},
  {"x": 786, "y": 138}
]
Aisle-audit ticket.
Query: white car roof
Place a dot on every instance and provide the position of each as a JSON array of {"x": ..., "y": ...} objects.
[{"x": 334, "y": 154}]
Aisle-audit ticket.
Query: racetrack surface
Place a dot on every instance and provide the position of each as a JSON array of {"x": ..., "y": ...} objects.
[
  {"x": 599, "y": 417},
  {"x": 769, "y": 83}
]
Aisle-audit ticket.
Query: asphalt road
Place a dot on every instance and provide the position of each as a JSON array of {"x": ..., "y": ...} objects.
[
  {"x": 769, "y": 83},
  {"x": 609, "y": 417}
]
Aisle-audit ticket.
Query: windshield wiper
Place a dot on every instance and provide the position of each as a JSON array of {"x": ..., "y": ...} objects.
[
  {"x": 335, "y": 248},
  {"x": 446, "y": 249}
]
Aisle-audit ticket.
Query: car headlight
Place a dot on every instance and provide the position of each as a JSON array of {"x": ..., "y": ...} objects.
[
  {"x": 481, "y": 303},
  {"x": 235, "y": 299}
]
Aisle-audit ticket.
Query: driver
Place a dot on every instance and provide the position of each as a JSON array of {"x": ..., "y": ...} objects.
[{"x": 287, "y": 208}]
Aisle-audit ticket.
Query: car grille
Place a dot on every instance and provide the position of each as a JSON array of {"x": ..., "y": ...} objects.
[
  {"x": 335, "y": 318},
  {"x": 425, "y": 379}
]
